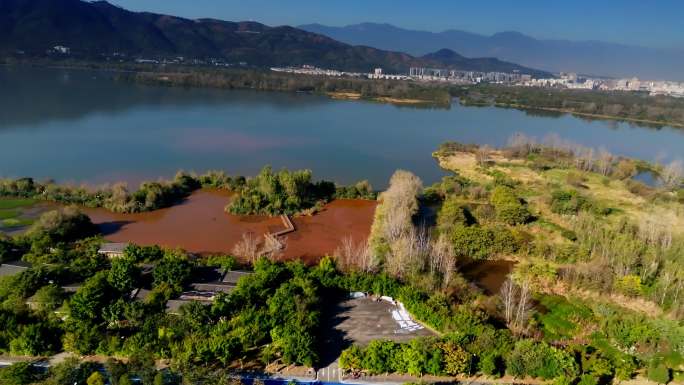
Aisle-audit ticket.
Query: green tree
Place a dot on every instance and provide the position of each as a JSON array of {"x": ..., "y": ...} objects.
[
  {"x": 36, "y": 339},
  {"x": 48, "y": 297},
  {"x": 377, "y": 356},
  {"x": 452, "y": 214},
  {"x": 174, "y": 270},
  {"x": 64, "y": 225},
  {"x": 116, "y": 369},
  {"x": 96, "y": 379},
  {"x": 124, "y": 275},
  {"x": 509, "y": 208},
  {"x": 88, "y": 303},
  {"x": 352, "y": 359},
  {"x": 456, "y": 359},
  {"x": 125, "y": 379},
  {"x": 18, "y": 374},
  {"x": 159, "y": 379},
  {"x": 537, "y": 359}
]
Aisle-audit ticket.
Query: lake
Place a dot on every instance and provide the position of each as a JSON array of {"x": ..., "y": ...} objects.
[{"x": 80, "y": 126}]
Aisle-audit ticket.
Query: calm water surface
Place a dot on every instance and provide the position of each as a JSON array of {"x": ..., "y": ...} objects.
[{"x": 84, "y": 126}]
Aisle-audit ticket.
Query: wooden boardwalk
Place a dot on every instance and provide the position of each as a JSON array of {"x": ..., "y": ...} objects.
[{"x": 272, "y": 238}]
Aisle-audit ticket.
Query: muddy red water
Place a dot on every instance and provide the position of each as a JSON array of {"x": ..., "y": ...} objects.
[{"x": 200, "y": 225}]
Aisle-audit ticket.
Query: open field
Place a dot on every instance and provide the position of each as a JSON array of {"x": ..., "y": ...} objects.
[
  {"x": 7, "y": 204},
  {"x": 17, "y": 214}
]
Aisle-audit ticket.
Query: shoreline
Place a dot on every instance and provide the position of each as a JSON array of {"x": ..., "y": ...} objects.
[
  {"x": 645, "y": 123},
  {"x": 162, "y": 79},
  {"x": 590, "y": 115}
]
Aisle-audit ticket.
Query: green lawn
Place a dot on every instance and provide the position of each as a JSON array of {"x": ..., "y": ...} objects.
[
  {"x": 7, "y": 214},
  {"x": 15, "y": 203},
  {"x": 16, "y": 222}
]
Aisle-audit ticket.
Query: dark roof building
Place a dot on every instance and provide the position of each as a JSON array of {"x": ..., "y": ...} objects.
[
  {"x": 14, "y": 267},
  {"x": 113, "y": 250}
]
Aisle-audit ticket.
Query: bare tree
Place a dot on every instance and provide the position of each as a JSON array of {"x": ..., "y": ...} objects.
[
  {"x": 584, "y": 158},
  {"x": 351, "y": 255},
  {"x": 444, "y": 259},
  {"x": 523, "y": 311},
  {"x": 482, "y": 155},
  {"x": 521, "y": 145},
  {"x": 605, "y": 161},
  {"x": 394, "y": 220},
  {"x": 247, "y": 248},
  {"x": 509, "y": 295},
  {"x": 516, "y": 305},
  {"x": 673, "y": 174},
  {"x": 273, "y": 246}
]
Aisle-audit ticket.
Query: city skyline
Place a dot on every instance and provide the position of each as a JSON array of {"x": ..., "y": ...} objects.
[{"x": 630, "y": 22}]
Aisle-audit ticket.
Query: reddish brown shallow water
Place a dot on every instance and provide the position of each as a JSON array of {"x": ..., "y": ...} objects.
[{"x": 200, "y": 225}]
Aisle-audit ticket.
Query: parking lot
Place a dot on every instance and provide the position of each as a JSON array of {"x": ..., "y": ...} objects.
[{"x": 362, "y": 320}]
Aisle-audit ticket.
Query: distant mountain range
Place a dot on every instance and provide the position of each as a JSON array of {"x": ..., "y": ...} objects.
[
  {"x": 587, "y": 57},
  {"x": 90, "y": 29}
]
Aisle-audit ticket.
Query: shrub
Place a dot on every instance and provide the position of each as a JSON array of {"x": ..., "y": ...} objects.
[
  {"x": 491, "y": 364},
  {"x": 588, "y": 379},
  {"x": 452, "y": 214},
  {"x": 360, "y": 190},
  {"x": 629, "y": 285},
  {"x": 639, "y": 188},
  {"x": 625, "y": 168},
  {"x": 509, "y": 208},
  {"x": 537, "y": 359},
  {"x": 575, "y": 179},
  {"x": 456, "y": 359},
  {"x": 174, "y": 269},
  {"x": 658, "y": 372},
  {"x": 478, "y": 242},
  {"x": 352, "y": 359},
  {"x": 64, "y": 225},
  {"x": 570, "y": 202},
  {"x": 21, "y": 373},
  {"x": 96, "y": 379},
  {"x": 567, "y": 202}
]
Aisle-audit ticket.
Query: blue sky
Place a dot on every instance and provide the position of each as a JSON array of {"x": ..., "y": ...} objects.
[{"x": 656, "y": 23}]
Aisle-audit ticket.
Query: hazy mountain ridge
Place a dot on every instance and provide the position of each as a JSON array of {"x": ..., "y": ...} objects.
[
  {"x": 91, "y": 29},
  {"x": 589, "y": 57}
]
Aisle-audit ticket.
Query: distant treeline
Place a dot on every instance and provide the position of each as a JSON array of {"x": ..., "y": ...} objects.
[
  {"x": 272, "y": 81},
  {"x": 636, "y": 106}
]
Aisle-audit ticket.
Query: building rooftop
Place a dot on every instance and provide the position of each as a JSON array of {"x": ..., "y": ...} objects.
[
  {"x": 232, "y": 277},
  {"x": 13, "y": 267},
  {"x": 72, "y": 287},
  {"x": 113, "y": 248}
]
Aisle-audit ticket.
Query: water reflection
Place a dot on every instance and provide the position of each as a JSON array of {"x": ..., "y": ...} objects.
[{"x": 84, "y": 126}]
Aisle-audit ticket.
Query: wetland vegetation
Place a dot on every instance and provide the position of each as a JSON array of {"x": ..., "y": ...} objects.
[{"x": 590, "y": 292}]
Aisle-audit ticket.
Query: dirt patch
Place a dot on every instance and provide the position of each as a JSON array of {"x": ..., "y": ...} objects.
[
  {"x": 201, "y": 225},
  {"x": 345, "y": 95}
]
